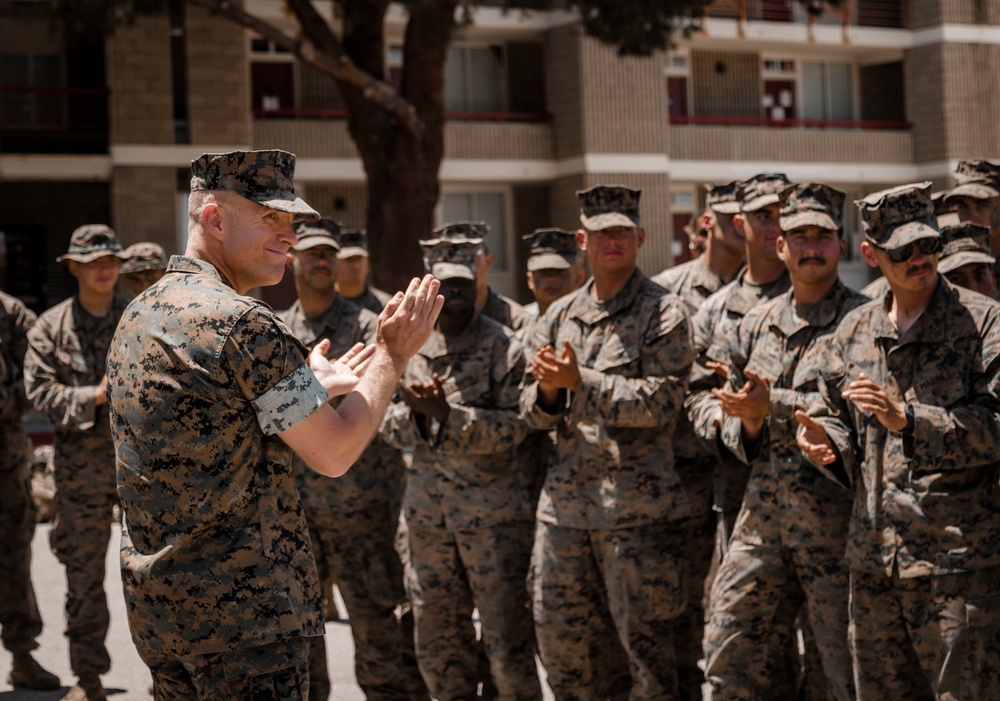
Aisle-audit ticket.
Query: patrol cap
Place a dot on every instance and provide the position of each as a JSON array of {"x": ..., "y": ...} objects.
[
  {"x": 811, "y": 204},
  {"x": 761, "y": 190},
  {"x": 895, "y": 217},
  {"x": 606, "y": 206},
  {"x": 978, "y": 179},
  {"x": 144, "y": 256},
  {"x": 90, "y": 242},
  {"x": 325, "y": 232},
  {"x": 551, "y": 249},
  {"x": 722, "y": 198},
  {"x": 459, "y": 231},
  {"x": 264, "y": 177},
  {"x": 353, "y": 242},
  {"x": 942, "y": 205},
  {"x": 451, "y": 259},
  {"x": 965, "y": 243}
]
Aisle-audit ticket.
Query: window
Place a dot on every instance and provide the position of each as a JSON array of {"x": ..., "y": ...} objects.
[
  {"x": 778, "y": 98},
  {"x": 490, "y": 207},
  {"x": 827, "y": 90},
  {"x": 473, "y": 79},
  {"x": 677, "y": 84},
  {"x": 35, "y": 106}
]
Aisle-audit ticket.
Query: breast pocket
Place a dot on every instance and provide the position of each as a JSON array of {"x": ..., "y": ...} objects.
[
  {"x": 617, "y": 355},
  {"x": 472, "y": 390}
]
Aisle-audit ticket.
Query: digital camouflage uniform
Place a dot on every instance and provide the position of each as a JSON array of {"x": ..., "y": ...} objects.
[
  {"x": 923, "y": 543},
  {"x": 352, "y": 524},
  {"x": 220, "y": 584},
  {"x": 217, "y": 566},
  {"x": 695, "y": 462},
  {"x": 504, "y": 310},
  {"x": 65, "y": 362},
  {"x": 467, "y": 508},
  {"x": 788, "y": 541},
  {"x": 608, "y": 535},
  {"x": 373, "y": 299},
  {"x": 19, "y": 617}
]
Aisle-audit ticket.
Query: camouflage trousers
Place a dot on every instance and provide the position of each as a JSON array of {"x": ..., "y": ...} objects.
[
  {"x": 633, "y": 578},
  {"x": 79, "y": 539},
  {"x": 931, "y": 638},
  {"x": 449, "y": 574},
  {"x": 757, "y": 594},
  {"x": 19, "y": 615},
  {"x": 356, "y": 550},
  {"x": 262, "y": 673}
]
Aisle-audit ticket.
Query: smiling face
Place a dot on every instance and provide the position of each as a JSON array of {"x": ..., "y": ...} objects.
[{"x": 253, "y": 240}]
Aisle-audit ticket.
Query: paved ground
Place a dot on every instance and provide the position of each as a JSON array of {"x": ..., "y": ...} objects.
[{"x": 129, "y": 678}]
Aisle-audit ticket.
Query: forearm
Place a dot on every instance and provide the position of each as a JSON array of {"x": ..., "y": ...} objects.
[{"x": 364, "y": 408}]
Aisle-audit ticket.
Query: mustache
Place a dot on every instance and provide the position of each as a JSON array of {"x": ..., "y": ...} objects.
[
  {"x": 812, "y": 259},
  {"x": 918, "y": 268}
]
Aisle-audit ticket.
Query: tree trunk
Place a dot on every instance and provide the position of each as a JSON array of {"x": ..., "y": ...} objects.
[{"x": 401, "y": 164}]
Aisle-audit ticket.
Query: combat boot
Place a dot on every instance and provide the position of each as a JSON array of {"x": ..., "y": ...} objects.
[
  {"x": 86, "y": 689},
  {"x": 27, "y": 673}
]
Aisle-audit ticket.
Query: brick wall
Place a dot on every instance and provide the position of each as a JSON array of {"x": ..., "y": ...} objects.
[
  {"x": 218, "y": 80},
  {"x": 563, "y": 89},
  {"x": 972, "y": 101},
  {"x": 923, "y": 69},
  {"x": 924, "y": 13},
  {"x": 144, "y": 206},
  {"x": 139, "y": 76},
  {"x": 792, "y": 145},
  {"x": 725, "y": 84},
  {"x": 624, "y": 100}
]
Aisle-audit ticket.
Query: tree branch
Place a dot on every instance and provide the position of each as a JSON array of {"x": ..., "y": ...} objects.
[{"x": 324, "y": 52}]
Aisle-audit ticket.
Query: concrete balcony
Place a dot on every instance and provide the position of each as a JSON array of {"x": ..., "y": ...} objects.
[{"x": 464, "y": 139}]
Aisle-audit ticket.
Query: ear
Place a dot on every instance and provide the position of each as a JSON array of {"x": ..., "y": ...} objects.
[
  {"x": 74, "y": 267},
  {"x": 581, "y": 239},
  {"x": 289, "y": 260},
  {"x": 640, "y": 236},
  {"x": 531, "y": 280},
  {"x": 843, "y": 248},
  {"x": 211, "y": 220},
  {"x": 868, "y": 253},
  {"x": 781, "y": 248},
  {"x": 739, "y": 223}
]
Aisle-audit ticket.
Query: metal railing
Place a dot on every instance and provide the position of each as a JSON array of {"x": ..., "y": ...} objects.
[
  {"x": 865, "y": 124},
  {"x": 454, "y": 115},
  {"x": 863, "y": 13}
]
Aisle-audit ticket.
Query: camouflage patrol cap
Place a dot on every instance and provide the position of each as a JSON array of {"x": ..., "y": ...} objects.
[
  {"x": 942, "y": 205},
  {"x": 451, "y": 259},
  {"x": 325, "y": 232},
  {"x": 459, "y": 231},
  {"x": 978, "y": 179},
  {"x": 551, "y": 249},
  {"x": 144, "y": 256},
  {"x": 264, "y": 177},
  {"x": 895, "y": 217},
  {"x": 761, "y": 190},
  {"x": 965, "y": 243},
  {"x": 606, "y": 206},
  {"x": 811, "y": 204},
  {"x": 353, "y": 242},
  {"x": 90, "y": 242},
  {"x": 722, "y": 198}
]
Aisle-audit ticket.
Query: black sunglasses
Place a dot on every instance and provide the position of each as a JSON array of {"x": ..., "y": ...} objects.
[{"x": 928, "y": 246}]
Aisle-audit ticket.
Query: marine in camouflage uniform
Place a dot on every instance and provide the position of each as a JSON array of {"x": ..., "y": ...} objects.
[
  {"x": 716, "y": 322},
  {"x": 609, "y": 375},
  {"x": 976, "y": 196},
  {"x": 210, "y": 392},
  {"x": 64, "y": 380},
  {"x": 19, "y": 617},
  {"x": 466, "y": 505},
  {"x": 354, "y": 261},
  {"x": 910, "y": 419},
  {"x": 695, "y": 459},
  {"x": 788, "y": 541},
  {"x": 488, "y": 301},
  {"x": 352, "y": 520}
]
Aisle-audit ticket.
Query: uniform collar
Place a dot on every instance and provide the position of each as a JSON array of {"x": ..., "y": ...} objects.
[{"x": 588, "y": 310}]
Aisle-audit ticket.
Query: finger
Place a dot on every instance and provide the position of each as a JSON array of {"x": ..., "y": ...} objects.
[
  {"x": 806, "y": 420},
  {"x": 757, "y": 379},
  {"x": 409, "y": 297},
  {"x": 362, "y": 360},
  {"x": 568, "y": 352},
  {"x": 717, "y": 368},
  {"x": 392, "y": 306},
  {"x": 438, "y": 384},
  {"x": 424, "y": 295}
]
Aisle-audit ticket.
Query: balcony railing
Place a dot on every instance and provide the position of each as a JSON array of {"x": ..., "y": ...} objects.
[
  {"x": 866, "y": 124},
  {"x": 863, "y": 13},
  {"x": 53, "y": 120},
  {"x": 451, "y": 115}
]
